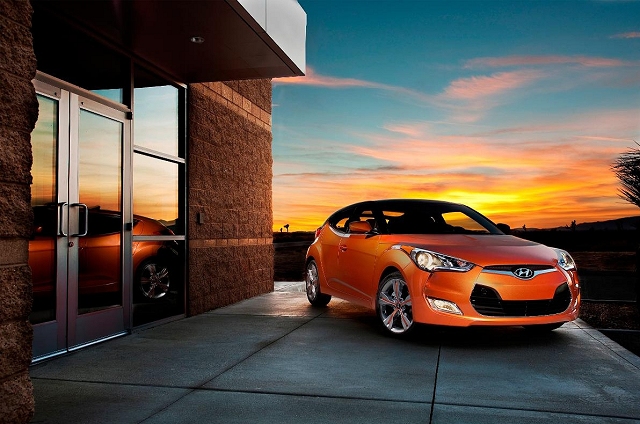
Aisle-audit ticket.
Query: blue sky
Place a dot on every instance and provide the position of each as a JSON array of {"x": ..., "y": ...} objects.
[{"x": 514, "y": 108}]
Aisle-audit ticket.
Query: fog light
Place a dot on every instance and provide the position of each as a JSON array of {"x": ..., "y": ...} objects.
[{"x": 444, "y": 306}]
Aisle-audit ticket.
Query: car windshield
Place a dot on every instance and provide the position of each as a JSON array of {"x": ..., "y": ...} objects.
[{"x": 434, "y": 218}]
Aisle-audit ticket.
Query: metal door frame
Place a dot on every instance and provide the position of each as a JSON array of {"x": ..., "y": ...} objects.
[{"x": 71, "y": 331}]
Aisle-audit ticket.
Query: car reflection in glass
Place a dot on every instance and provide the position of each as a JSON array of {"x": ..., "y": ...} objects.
[
  {"x": 419, "y": 261},
  {"x": 99, "y": 254}
]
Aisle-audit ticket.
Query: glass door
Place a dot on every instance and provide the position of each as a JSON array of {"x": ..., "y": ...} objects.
[
  {"x": 79, "y": 244},
  {"x": 96, "y": 224}
]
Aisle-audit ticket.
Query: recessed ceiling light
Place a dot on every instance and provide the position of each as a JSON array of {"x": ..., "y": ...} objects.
[{"x": 197, "y": 40}]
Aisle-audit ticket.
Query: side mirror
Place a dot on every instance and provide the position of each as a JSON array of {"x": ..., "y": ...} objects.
[
  {"x": 504, "y": 228},
  {"x": 359, "y": 227}
]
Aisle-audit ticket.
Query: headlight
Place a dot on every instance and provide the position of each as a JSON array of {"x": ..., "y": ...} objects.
[
  {"x": 565, "y": 260},
  {"x": 432, "y": 261}
]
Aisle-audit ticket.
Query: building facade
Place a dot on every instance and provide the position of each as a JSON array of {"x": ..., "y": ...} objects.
[{"x": 135, "y": 169}]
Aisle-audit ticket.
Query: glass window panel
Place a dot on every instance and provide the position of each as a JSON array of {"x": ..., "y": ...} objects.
[
  {"x": 100, "y": 187},
  {"x": 111, "y": 94},
  {"x": 156, "y": 191},
  {"x": 158, "y": 286},
  {"x": 44, "y": 141},
  {"x": 100, "y": 161},
  {"x": 156, "y": 119},
  {"x": 42, "y": 246}
]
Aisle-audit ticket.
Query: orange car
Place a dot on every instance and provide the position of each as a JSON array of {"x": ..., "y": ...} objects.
[{"x": 421, "y": 261}]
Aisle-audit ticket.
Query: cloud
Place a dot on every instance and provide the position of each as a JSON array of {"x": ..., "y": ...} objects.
[
  {"x": 633, "y": 34},
  {"x": 468, "y": 100},
  {"x": 482, "y": 87},
  {"x": 498, "y": 62},
  {"x": 317, "y": 80},
  {"x": 312, "y": 79}
]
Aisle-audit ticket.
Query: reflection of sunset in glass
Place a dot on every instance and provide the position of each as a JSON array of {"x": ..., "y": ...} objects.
[
  {"x": 155, "y": 188},
  {"x": 155, "y": 180},
  {"x": 43, "y": 141},
  {"x": 518, "y": 121},
  {"x": 99, "y": 164}
]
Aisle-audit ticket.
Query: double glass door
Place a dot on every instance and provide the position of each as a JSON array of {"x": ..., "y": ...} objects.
[{"x": 80, "y": 247}]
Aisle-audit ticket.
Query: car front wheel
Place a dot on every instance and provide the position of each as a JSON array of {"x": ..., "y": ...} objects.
[
  {"x": 312, "y": 286},
  {"x": 393, "y": 305}
]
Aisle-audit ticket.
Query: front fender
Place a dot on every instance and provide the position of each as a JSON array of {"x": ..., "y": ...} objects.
[{"x": 391, "y": 259}]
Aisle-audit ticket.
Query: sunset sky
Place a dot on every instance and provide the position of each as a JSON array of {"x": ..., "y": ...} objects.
[{"x": 516, "y": 109}]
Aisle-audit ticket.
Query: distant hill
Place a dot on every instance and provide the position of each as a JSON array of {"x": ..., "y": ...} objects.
[
  {"x": 629, "y": 223},
  {"x": 621, "y": 224}
]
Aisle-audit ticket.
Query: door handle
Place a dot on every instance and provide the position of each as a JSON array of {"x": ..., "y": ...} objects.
[
  {"x": 86, "y": 219},
  {"x": 61, "y": 232},
  {"x": 343, "y": 248}
]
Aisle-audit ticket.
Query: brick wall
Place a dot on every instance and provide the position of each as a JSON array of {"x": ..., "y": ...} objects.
[
  {"x": 229, "y": 184},
  {"x": 18, "y": 114}
]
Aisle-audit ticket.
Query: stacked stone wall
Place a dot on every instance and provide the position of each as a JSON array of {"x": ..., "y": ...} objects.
[
  {"x": 18, "y": 114},
  {"x": 229, "y": 189}
]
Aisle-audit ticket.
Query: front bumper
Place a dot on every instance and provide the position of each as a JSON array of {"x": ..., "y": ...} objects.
[{"x": 542, "y": 299}]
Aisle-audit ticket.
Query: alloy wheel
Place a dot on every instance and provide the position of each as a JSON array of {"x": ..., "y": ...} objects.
[
  {"x": 394, "y": 305},
  {"x": 154, "y": 280}
]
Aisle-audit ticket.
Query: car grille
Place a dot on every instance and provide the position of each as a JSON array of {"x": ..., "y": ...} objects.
[
  {"x": 512, "y": 268},
  {"x": 487, "y": 301}
]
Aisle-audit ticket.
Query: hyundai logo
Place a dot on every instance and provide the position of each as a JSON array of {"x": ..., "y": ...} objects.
[{"x": 523, "y": 273}]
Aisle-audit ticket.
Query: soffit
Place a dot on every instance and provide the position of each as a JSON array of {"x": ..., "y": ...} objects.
[{"x": 159, "y": 31}]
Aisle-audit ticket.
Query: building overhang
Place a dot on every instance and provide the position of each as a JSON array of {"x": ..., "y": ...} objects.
[{"x": 239, "y": 39}]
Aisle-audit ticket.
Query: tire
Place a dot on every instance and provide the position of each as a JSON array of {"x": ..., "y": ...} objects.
[
  {"x": 312, "y": 286},
  {"x": 393, "y": 305},
  {"x": 152, "y": 279},
  {"x": 543, "y": 328}
]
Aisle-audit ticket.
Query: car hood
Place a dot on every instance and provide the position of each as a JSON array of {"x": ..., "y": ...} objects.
[{"x": 481, "y": 250}]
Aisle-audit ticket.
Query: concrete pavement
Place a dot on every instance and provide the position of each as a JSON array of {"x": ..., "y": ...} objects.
[{"x": 276, "y": 359}]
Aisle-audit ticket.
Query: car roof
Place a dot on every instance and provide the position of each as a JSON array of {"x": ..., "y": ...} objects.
[{"x": 383, "y": 202}]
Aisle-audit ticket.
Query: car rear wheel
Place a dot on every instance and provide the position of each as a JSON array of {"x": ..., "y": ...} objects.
[
  {"x": 153, "y": 279},
  {"x": 393, "y": 306},
  {"x": 312, "y": 285}
]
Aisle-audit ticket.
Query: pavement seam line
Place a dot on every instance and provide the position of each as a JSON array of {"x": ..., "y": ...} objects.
[
  {"x": 507, "y": 408},
  {"x": 193, "y": 389},
  {"x": 609, "y": 347},
  {"x": 435, "y": 385},
  {"x": 230, "y": 367},
  {"x": 206, "y": 389},
  {"x": 201, "y": 387}
]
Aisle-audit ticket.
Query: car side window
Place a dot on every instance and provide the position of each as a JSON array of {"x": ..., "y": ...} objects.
[
  {"x": 339, "y": 220},
  {"x": 342, "y": 224},
  {"x": 103, "y": 223},
  {"x": 365, "y": 215}
]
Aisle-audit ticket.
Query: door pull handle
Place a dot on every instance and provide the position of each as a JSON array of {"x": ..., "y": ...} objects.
[
  {"x": 61, "y": 232},
  {"x": 86, "y": 219}
]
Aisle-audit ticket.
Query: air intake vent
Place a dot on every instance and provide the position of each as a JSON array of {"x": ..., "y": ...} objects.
[{"x": 487, "y": 301}]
